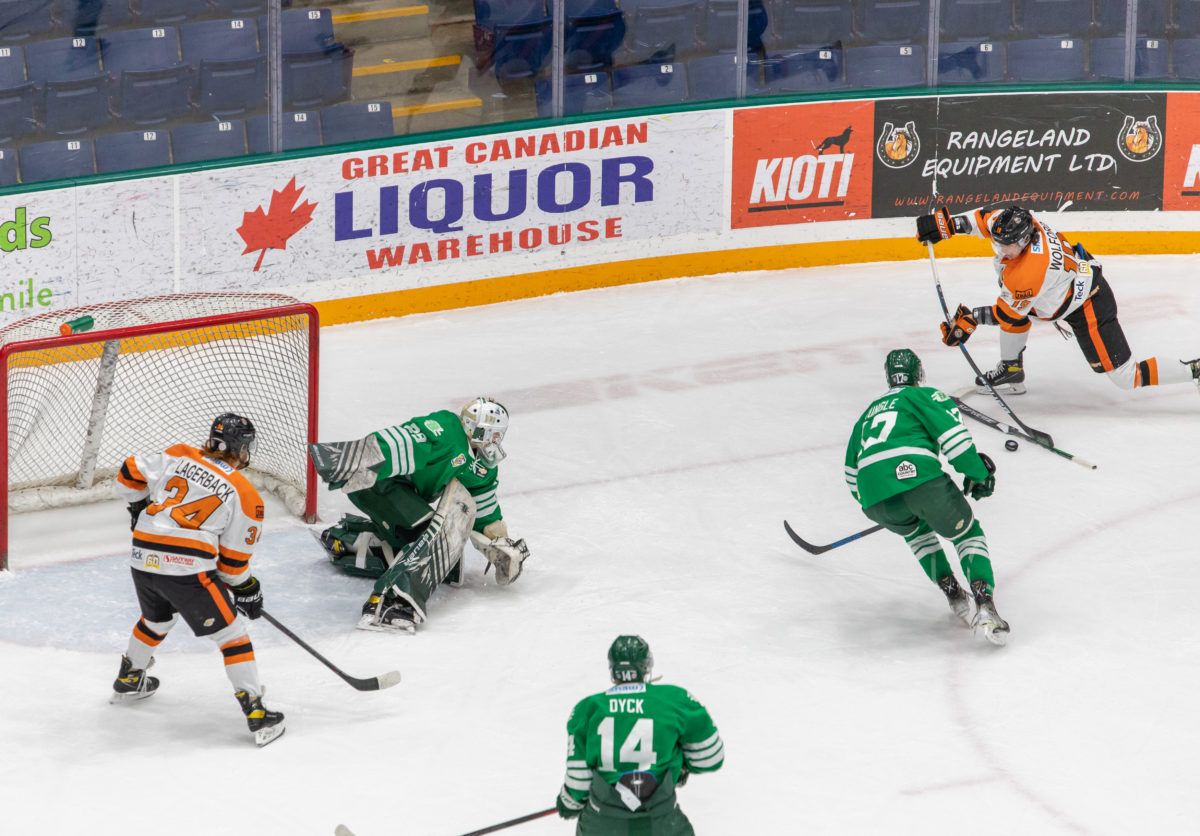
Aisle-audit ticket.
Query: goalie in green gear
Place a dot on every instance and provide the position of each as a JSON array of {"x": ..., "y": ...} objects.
[
  {"x": 629, "y": 747},
  {"x": 409, "y": 547},
  {"x": 893, "y": 471}
]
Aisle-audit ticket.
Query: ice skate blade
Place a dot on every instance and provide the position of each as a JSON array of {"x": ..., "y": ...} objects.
[
  {"x": 996, "y": 635},
  {"x": 264, "y": 736},
  {"x": 124, "y": 699},
  {"x": 368, "y": 622},
  {"x": 1003, "y": 389}
]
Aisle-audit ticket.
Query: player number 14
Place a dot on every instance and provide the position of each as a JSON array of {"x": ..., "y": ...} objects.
[{"x": 638, "y": 747}]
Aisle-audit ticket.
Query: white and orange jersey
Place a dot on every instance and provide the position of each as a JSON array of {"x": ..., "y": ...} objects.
[
  {"x": 203, "y": 514},
  {"x": 1046, "y": 281}
]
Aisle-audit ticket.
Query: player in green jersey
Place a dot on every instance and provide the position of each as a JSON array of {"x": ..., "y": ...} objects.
[
  {"x": 893, "y": 470},
  {"x": 393, "y": 476},
  {"x": 629, "y": 747}
]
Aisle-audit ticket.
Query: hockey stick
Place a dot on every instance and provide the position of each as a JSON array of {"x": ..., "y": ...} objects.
[
  {"x": 811, "y": 549},
  {"x": 511, "y": 822},
  {"x": 1036, "y": 436},
  {"x": 983, "y": 418},
  {"x": 372, "y": 683}
]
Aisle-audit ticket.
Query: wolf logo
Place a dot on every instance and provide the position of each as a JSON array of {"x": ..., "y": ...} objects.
[
  {"x": 1139, "y": 140},
  {"x": 839, "y": 140}
]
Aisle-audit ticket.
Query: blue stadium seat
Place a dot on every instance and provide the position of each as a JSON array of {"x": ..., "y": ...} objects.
[
  {"x": 1047, "y": 59},
  {"x": 718, "y": 30},
  {"x": 586, "y": 8},
  {"x": 314, "y": 79},
  {"x": 512, "y": 12},
  {"x": 885, "y": 65},
  {"x": 982, "y": 19},
  {"x": 25, "y": 20},
  {"x": 591, "y": 39},
  {"x": 521, "y": 49},
  {"x": 153, "y": 84},
  {"x": 239, "y": 8},
  {"x": 972, "y": 62},
  {"x": 211, "y": 140},
  {"x": 301, "y": 129},
  {"x": 662, "y": 30},
  {"x": 715, "y": 77},
  {"x": 166, "y": 13},
  {"x": 131, "y": 150},
  {"x": 57, "y": 160},
  {"x": 8, "y": 166},
  {"x": 807, "y": 71},
  {"x": 1185, "y": 55},
  {"x": 18, "y": 112},
  {"x": 304, "y": 30},
  {"x": 1187, "y": 18},
  {"x": 1153, "y": 17},
  {"x": 1150, "y": 60},
  {"x": 63, "y": 59},
  {"x": 356, "y": 122},
  {"x": 797, "y": 23},
  {"x": 648, "y": 85},
  {"x": 231, "y": 70},
  {"x": 582, "y": 93},
  {"x": 893, "y": 20},
  {"x": 1056, "y": 17},
  {"x": 12, "y": 66},
  {"x": 87, "y": 18}
]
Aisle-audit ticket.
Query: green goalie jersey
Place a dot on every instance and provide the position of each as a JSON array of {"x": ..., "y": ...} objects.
[
  {"x": 895, "y": 444},
  {"x": 430, "y": 450},
  {"x": 639, "y": 727}
]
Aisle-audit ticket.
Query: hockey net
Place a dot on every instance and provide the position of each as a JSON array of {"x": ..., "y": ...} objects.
[{"x": 86, "y": 387}]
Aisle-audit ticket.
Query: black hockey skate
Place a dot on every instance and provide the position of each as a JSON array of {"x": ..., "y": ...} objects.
[
  {"x": 265, "y": 724},
  {"x": 132, "y": 684},
  {"x": 987, "y": 620},
  {"x": 1194, "y": 365},
  {"x": 957, "y": 597},
  {"x": 1007, "y": 378},
  {"x": 388, "y": 614}
]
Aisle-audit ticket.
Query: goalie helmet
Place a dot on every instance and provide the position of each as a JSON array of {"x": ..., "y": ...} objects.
[
  {"x": 903, "y": 368},
  {"x": 232, "y": 433},
  {"x": 1013, "y": 225},
  {"x": 485, "y": 422},
  {"x": 630, "y": 659}
]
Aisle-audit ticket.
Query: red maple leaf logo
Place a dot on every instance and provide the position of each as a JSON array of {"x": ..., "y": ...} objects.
[{"x": 271, "y": 230}]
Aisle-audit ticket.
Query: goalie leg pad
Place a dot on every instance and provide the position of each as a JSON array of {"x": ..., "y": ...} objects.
[{"x": 427, "y": 561}]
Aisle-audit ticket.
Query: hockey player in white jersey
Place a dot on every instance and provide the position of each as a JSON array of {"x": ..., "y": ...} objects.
[{"x": 196, "y": 520}]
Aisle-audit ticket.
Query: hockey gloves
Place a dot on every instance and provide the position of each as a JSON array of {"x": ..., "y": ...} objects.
[
  {"x": 247, "y": 597},
  {"x": 960, "y": 330},
  {"x": 935, "y": 227},
  {"x": 135, "y": 511},
  {"x": 984, "y": 489},
  {"x": 567, "y": 806}
]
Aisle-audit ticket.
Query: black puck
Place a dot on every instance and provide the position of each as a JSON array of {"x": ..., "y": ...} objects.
[{"x": 1011, "y": 445}]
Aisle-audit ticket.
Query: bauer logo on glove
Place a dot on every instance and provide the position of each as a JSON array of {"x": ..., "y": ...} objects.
[{"x": 961, "y": 328}]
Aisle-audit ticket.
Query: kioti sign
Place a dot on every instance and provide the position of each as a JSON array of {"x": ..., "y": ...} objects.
[{"x": 800, "y": 163}]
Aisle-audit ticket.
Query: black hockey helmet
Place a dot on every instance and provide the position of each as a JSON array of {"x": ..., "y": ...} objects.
[
  {"x": 630, "y": 659},
  {"x": 903, "y": 368},
  {"x": 1013, "y": 225},
  {"x": 232, "y": 433}
]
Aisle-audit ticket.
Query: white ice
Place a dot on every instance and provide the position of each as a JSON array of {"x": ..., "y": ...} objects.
[{"x": 661, "y": 433}]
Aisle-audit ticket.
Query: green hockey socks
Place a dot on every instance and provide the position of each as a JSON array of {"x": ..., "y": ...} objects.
[
  {"x": 972, "y": 551},
  {"x": 928, "y": 551}
]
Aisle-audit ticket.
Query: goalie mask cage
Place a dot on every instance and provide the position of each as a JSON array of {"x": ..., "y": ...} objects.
[{"x": 149, "y": 373}]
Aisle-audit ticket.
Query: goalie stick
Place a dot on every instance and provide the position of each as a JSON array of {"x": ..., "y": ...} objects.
[
  {"x": 371, "y": 683},
  {"x": 812, "y": 549},
  {"x": 1036, "y": 436},
  {"x": 987, "y": 420}
]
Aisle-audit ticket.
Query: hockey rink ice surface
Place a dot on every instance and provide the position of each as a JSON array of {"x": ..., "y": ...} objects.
[{"x": 660, "y": 435}]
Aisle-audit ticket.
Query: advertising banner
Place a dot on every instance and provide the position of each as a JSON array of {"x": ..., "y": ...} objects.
[
  {"x": 1181, "y": 165},
  {"x": 470, "y": 208},
  {"x": 801, "y": 163},
  {"x": 1088, "y": 151}
]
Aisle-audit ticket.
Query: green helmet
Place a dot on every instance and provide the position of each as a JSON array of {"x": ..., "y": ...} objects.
[
  {"x": 630, "y": 659},
  {"x": 903, "y": 368}
]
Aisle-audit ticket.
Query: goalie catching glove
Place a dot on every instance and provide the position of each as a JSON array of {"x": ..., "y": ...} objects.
[
  {"x": 503, "y": 553},
  {"x": 984, "y": 489},
  {"x": 961, "y": 328}
]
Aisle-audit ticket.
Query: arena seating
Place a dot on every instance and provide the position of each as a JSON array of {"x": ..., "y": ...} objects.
[
  {"x": 132, "y": 149},
  {"x": 1151, "y": 59},
  {"x": 972, "y": 62},
  {"x": 893, "y": 21},
  {"x": 8, "y": 166},
  {"x": 57, "y": 159},
  {"x": 800, "y": 23},
  {"x": 210, "y": 140},
  {"x": 582, "y": 93},
  {"x": 301, "y": 129},
  {"x": 885, "y": 65},
  {"x": 976, "y": 19},
  {"x": 356, "y": 122},
  {"x": 1047, "y": 59},
  {"x": 648, "y": 85},
  {"x": 1067, "y": 18},
  {"x": 806, "y": 71}
]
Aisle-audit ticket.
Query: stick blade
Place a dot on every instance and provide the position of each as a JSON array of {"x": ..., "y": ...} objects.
[
  {"x": 387, "y": 680},
  {"x": 802, "y": 543}
]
